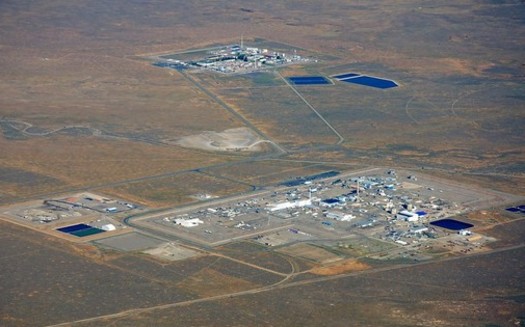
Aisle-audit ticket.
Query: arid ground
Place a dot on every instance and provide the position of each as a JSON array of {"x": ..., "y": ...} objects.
[{"x": 83, "y": 108}]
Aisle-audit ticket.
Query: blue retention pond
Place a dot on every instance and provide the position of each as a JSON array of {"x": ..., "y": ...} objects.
[
  {"x": 309, "y": 80},
  {"x": 73, "y": 228},
  {"x": 80, "y": 230},
  {"x": 330, "y": 201},
  {"x": 87, "y": 232},
  {"x": 379, "y": 83},
  {"x": 451, "y": 224},
  {"x": 518, "y": 209},
  {"x": 347, "y": 75}
]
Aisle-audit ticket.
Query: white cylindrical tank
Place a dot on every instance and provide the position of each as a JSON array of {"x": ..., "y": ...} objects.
[{"x": 108, "y": 227}]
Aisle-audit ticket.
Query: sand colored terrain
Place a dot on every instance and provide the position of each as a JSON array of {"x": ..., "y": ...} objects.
[
  {"x": 209, "y": 282},
  {"x": 234, "y": 139},
  {"x": 66, "y": 162},
  {"x": 81, "y": 109},
  {"x": 310, "y": 252},
  {"x": 172, "y": 252},
  {"x": 341, "y": 267}
]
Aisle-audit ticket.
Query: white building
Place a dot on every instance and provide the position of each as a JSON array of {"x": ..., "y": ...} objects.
[
  {"x": 407, "y": 216},
  {"x": 188, "y": 222},
  {"x": 339, "y": 216},
  {"x": 290, "y": 205},
  {"x": 419, "y": 230},
  {"x": 108, "y": 227}
]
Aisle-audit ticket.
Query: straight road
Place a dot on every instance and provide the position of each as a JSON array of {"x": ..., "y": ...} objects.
[
  {"x": 341, "y": 138},
  {"x": 232, "y": 111}
]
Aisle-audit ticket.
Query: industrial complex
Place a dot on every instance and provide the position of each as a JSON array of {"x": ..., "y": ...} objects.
[
  {"x": 262, "y": 163},
  {"x": 389, "y": 213},
  {"x": 83, "y": 216},
  {"x": 230, "y": 59},
  {"x": 394, "y": 212}
]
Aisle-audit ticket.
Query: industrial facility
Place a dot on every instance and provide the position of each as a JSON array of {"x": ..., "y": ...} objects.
[
  {"x": 232, "y": 59},
  {"x": 385, "y": 205},
  {"x": 388, "y": 213},
  {"x": 82, "y": 215}
]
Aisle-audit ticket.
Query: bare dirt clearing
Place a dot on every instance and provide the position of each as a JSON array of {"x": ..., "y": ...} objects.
[
  {"x": 234, "y": 139},
  {"x": 172, "y": 252}
]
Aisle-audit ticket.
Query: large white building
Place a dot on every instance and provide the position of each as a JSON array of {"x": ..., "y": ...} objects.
[
  {"x": 290, "y": 205},
  {"x": 408, "y": 216},
  {"x": 337, "y": 215},
  {"x": 188, "y": 222}
]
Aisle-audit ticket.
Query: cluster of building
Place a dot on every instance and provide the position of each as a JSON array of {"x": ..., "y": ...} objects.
[
  {"x": 235, "y": 59},
  {"x": 84, "y": 210},
  {"x": 47, "y": 215},
  {"x": 221, "y": 215},
  {"x": 391, "y": 207},
  {"x": 91, "y": 202}
]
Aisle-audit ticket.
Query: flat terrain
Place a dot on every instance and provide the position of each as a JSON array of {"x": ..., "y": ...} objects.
[
  {"x": 442, "y": 294},
  {"x": 126, "y": 289},
  {"x": 78, "y": 88},
  {"x": 82, "y": 108}
]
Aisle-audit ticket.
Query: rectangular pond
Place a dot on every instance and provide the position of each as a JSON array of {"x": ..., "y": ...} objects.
[
  {"x": 80, "y": 230},
  {"x": 309, "y": 80},
  {"x": 376, "y": 82},
  {"x": 451, "y": 224}
]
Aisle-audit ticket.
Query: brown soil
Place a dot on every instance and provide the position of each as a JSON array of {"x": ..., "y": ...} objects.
[{"x": 345, "y": 266}]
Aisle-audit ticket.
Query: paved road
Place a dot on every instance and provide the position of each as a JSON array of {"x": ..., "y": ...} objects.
[
  {"x": 279, "y": 150},
  {"x": 232, "y": 111},
  {"x": 341, "y": 138},
  {"x": 149, "y": 177}
]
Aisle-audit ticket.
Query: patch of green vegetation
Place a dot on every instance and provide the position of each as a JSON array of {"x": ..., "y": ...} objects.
[
  {"x": 351, "y": 250},
  {"x": 265, "y": 79},
  {"x": 11, "y": 133},
  {"x": 402, "y": 147},
  {"x": 24, "y": 177},
  {"x": 333, "y": 250},
  {"x": 517, "y": 298}
]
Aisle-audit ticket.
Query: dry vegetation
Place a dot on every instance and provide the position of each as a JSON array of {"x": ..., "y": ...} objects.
[
  {"x": 176, "y": 190},
  {"x": 81, "y": 108},
  {"x": 209, "y": 282},
  {"x": 90, "y": 162},
  {"x": 345, "y": 266},
  {"x": 312, "y": 253},
  {"x": 457, "y": 106},
  {"x": 271, "y": 172}
]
